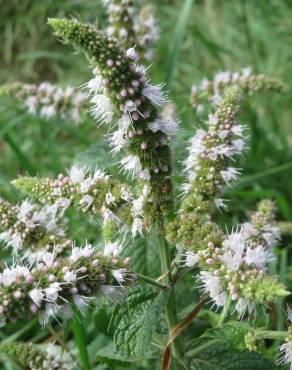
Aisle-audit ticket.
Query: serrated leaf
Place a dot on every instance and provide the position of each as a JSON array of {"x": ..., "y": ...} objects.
[
  {"x": 144, "y": 256},
  {"x": 110, "y": 352},
  {"x": 213, "y": 354},
  {"x": 233, "y": 334},
  {"x": 134, "y": 320}
]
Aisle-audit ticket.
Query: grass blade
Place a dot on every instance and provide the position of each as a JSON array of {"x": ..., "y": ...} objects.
[
  {"x": 177, "y": 40},
  {"x": 23, "y": 159},
  {"x": 80, "y": 339}
]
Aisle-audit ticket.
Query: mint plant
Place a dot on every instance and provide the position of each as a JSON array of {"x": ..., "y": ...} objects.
[{"x": 201, "y": 272}]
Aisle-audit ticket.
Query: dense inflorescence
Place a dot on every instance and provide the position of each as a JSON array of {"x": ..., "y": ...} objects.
[
  {"x": 231, "y": 265},
  {"x": 247, "y": 81},
  {"x": 122, "y": 94},
  {"x": 27, "y": 227},
  {"x": 94, "y": 193},
  {"x": 49, "y": 101},
  {"x": 262, "y": 228},
  {"x": 49, "y": 286},
  {"x": 132, "y": 30},
  {"x": 209, "y": 165},
  {"x": 33, "y": 357}
]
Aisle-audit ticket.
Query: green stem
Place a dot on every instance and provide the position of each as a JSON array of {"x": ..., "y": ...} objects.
[
  {"x": 171, "y": 311},
  {"x": 270, "y": 334},
  {"x": 224, "y": 311},
  {"x": 151, "y": 281}
]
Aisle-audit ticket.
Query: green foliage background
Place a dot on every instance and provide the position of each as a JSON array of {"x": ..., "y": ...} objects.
[{"x": 198, "y": 38}]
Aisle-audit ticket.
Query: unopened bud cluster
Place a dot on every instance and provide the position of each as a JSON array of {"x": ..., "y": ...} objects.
[
  {"x": 247, "y": 81},
  {"x": 49, "y": 286},
  {"x": 49, "y": 101}
]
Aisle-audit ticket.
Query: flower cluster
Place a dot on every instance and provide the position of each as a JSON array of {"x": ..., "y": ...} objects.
[
  {"x": 230, "y": 265},
  {"x": 262, "y": 228},
  {"x": 47, "y": 288},
  {"x": 245, "y": 80},
  {"x": 27, "y": 227},
  {"x": 121, "y": 21},
  {"x": 132, "y": 30},
  {"x": 209, "y": 165},
  {"x": 147, "y": 31},
  {"x": 94, "y": 193},
  {"x": 286, "y": 348},
  {"x": 121, "y": 93},
  {"x": 49, "y": 101},
  {"x": 33, "y": 357}
]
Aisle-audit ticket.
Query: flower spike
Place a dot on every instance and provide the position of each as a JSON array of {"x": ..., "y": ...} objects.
[
  {"x": 45, "y": 288},
  {"x": 121, "y": 90}
]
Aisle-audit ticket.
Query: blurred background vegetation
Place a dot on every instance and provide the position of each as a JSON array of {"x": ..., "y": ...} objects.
[{"x": 198, "y": 38}]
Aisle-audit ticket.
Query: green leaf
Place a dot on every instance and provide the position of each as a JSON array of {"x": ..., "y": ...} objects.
[
  {"x": 144, "y": 256},
  {"x": 215, "y": 355},
  {"x": 233, "y": 334},
  {"x": 134, "y": 320},
  {"x": 223, "y": 349}
]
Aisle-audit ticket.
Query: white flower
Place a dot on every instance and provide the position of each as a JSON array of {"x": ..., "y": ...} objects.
[
  {"x": 191, "y": 258},
  {"x": 48, "y": 111},
  {"x": 155, "y": 94},
  {"x": 32, "y": 102},
  {"x": 14, "y": 240},
  {"x": 131, "y": 53},
  {"x": 125, "y": 194},
  {"x": 220, "y": 203},
  {"x": 213, "y": 119},
  {"x": 233, "y": 248},
  {"x": 112, "y": 249},
  {"x": 99, "y": 175},
  {"x": 144, "y": 174},
  {"x": 137, "y": 208},
  {"x": 124, "y": 122},
  {"x": 271, "y": 234},
  {"x": 117, "y": 141},
  {"x": 77, "y": 174},
  {"x": 244, "y": 305},
  {"x": 212, "y": 286},
  {"x": 258, "y": 256},
  {"x": 137, "y": 227},
  {"x": 81, "y": 252},
  {"x": 52, "y": 292},
  {"x": 102, "y": 109},
  {"x": 25, "y": 213},
  {"x": 10, "y": 275},
  {"x": 70, "y": 277},
  {"x": 80, "y": 301},
  {"x": 86, "y": 184},
  {"x": 86, "y": 200},
  {"x": 120, "y": 275},
  {"x": 286, "y": 353},
  {"x": 132, "y": 164},
  {"x": 36, "y": 296},
  {"x": 230, "y": 174},
  {"x": 50, "y": 310},
  {"x": 109, "y": 198}
]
